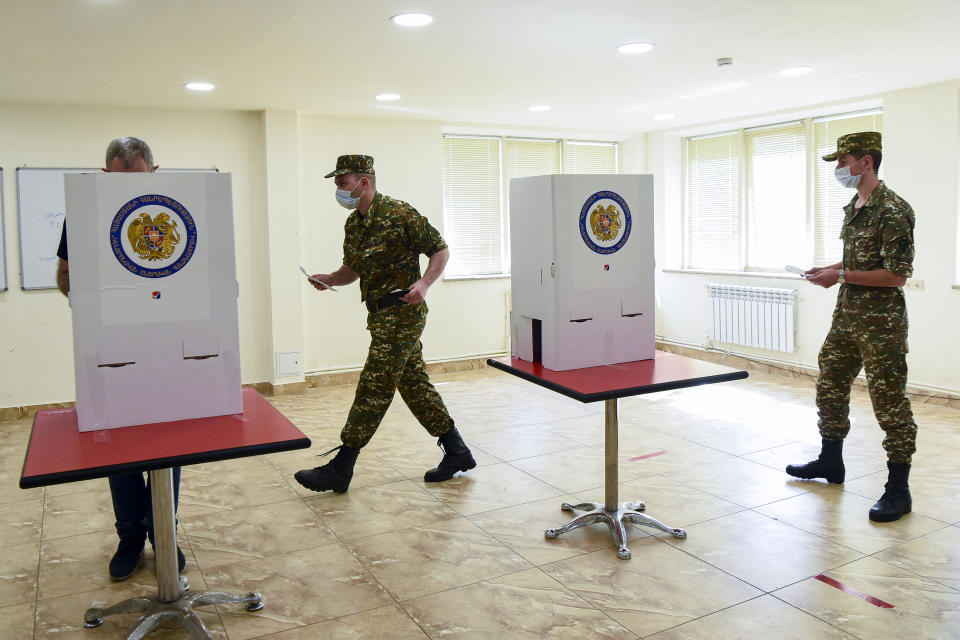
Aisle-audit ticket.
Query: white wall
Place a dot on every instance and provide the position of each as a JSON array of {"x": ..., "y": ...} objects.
[
  {"x": 921, "y": 147},
  {"x": 36, "y": 352}
]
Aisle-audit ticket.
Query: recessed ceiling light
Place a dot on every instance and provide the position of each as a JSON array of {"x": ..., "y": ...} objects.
[
  {"x": 635, "y": 47},
  {"x": 387, "y": 97},
  {"x": 199, "y": 86},
  {"x": 539, "y": 107},
  {"x": 663, "y": 116},
  {"x": 412, "y": 19},
  {"x": 796, "y": 71}
]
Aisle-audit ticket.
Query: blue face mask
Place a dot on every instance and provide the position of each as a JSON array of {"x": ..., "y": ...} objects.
[{"x": 345, "y": 198}]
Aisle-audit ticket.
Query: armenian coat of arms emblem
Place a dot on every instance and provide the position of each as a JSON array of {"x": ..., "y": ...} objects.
[
  {"x": 605, "y": 222},
  {"x": 153, "y": 236},
  {"x": 153, "y": 239}
]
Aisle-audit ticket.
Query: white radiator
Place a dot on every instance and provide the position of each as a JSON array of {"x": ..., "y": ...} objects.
[{"x": 758, "y": 317}]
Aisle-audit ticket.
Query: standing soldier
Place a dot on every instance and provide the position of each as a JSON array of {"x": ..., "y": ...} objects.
[
  {"x": 383, "y": 240},
  {"x": 869, "y": 328}
]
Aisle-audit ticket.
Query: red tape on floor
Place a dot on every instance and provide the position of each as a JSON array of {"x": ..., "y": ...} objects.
[
  {"x": 649, "y": 455},
  {"x": 859, "y": 594}
]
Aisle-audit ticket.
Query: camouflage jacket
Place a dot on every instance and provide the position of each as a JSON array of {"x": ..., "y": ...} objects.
[
  {"x": 879, "y": 235},
  {"x": 384, "y": 246}
]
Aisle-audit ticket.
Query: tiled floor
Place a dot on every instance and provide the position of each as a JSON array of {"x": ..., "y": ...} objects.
[{"x": 396, "y": 558}]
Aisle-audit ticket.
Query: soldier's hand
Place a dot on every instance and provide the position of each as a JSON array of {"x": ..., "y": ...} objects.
[
  {"x": 418, "y": 291},
  {"x": 319, "y": 281},
  {"x": 825, "y": 278},
  {"x": 812, "y": 270}
]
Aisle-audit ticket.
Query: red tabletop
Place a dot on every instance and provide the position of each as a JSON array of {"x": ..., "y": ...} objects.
[
  {"x": 58, "y": 452},
  {"x": 590, "y": 384}
]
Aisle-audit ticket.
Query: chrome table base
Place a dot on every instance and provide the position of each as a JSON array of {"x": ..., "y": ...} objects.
[
  {"x": 612, "y": 512},
  {"x": 173, "y": 600},
  {"x": 180, "y": 610},
  {"x": 627, "y": 512}
]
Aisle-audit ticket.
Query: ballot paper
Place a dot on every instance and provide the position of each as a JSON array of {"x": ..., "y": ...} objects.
[
  {"x": 312, "y": 279},
  {"x": 797, "y": 270}
]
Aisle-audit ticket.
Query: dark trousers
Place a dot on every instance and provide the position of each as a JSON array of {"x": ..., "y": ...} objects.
[{"x": 132, "y": 505}]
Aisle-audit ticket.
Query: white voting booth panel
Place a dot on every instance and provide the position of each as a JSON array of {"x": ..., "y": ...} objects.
[
  {"x": 153, "y": 290},
  {"x": 582, "y": 269}
]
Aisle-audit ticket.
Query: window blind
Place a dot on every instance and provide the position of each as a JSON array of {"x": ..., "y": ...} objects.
[
  {"x": 829, "y": 197},
  {"x": 590, "y": 157},
  {"x": 712, "y": 227},
  {"x": 776, "y": 196},
  {"x": 473, "y": 213},
  {"x": 523, "y": 158}
]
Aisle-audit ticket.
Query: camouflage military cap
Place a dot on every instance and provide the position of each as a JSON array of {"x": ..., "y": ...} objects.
[
  {"x": 863, "y": 141},
  {"x": 352, "y": 164}
]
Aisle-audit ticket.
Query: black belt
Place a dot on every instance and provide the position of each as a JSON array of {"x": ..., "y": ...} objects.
[{"x": 384, "y": 303}]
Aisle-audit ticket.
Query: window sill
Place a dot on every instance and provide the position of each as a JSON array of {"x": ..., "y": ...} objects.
[
  {"x": 492, "y": 276},
  {"x": 740, "y": 274},
  {"x": 956, "y": 286}
]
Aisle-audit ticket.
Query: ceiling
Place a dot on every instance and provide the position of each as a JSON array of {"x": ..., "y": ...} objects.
[{"x": 481, "y": 62}]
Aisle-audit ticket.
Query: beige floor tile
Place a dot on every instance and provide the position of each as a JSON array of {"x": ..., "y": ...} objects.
[
  {"x": 521, "y": 528},
  {"x": 586, "y": 430},
  {"x": 742, "y": 482},
  {"x": 933, "y": 487},
  {"x": 652, "y": 591},
  {"x": 841, "y": 517},
  {"x": 935, "y": 556},
  {"x": 62, "y": 618},
  {"x": 81, "y": 563},
  {"x": 78, "y": 513},
  {"x": 202, "y": 493},
  {"x": 69, "y": 488},
  {"x": 227, "y": 537},
  {"x": 491, "y": 487},
  {"x": 521, "y": 442},
  {"x": 921, "y": 608},
  {"x": 387, "y": 622},
  {"x": 762, "y": 551},
  {"x": 423, "y": 560},
  {"x": 674, "y": 504},
  {"x": 647, "y": 452},
  {"x": 10, "y": 490},
  {"x": 18, "y": 620},
  {"x": 18, "y": 573},
  {"x": 524, "y": 605},
  {"x": 761, "y": 618},
  {"x": 369, "y": 511},
  {"x": 20, "y": 521},
  {"x": 298, "y": 588}
]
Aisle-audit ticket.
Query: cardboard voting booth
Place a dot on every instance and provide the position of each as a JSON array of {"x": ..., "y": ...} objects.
[
  {"x": 153, "y": 291},
  {"x": 582, "y": 269}
]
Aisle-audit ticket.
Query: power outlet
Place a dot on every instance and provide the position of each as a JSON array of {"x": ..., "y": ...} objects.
[{"x": 913, "y": 283}]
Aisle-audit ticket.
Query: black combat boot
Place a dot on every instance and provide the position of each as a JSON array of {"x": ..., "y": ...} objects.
[
  {"x": 456, "y": 457},
  {"x": 896, "y": 499},
  {"x": 829, "y": 465},
  {"x": 333, "y": 476}
]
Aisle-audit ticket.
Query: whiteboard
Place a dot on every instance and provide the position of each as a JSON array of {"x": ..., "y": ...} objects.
[
  {"x": 40, "y": 203},
  {"x": 3, "y": 240},
  {"x": 40, "y": 199}
]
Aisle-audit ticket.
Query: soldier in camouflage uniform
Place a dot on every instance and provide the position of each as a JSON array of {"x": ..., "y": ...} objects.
[
  {"x": 869, "y": 328},
  {"x": 383, "y": 240}
]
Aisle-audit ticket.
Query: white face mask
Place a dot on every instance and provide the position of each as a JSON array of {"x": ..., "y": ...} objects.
[
  {"x": 842, "y": 174},
  {"x": 345, "y": 198}
]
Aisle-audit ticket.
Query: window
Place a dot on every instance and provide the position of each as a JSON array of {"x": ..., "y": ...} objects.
[
  {"x": 758, "y": 199},
  {"x": 476, "y": 191}
]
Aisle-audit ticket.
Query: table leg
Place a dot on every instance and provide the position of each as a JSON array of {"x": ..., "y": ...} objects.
[
  {"x": 611, "y": 512},
  {"x": 174, "y": 599}
]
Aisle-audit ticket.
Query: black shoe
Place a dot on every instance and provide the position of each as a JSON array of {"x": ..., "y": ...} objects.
[
  {"x": 456, "y": 457},
  {"x": 181, "y": 560},
  {"x": 896, "y": 500},
  {"x": 829, "y": 465},
  {"x": 334, "y": 476},
  {"x": 125, "y": 561}
]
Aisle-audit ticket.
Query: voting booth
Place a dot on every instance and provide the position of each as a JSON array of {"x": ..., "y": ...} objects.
[
  {"x": 153, "y": 291},
  {"x": 582, "y": 269}
]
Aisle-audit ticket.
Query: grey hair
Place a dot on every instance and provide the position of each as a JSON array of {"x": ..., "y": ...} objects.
[{"x": 128, "y": 149}]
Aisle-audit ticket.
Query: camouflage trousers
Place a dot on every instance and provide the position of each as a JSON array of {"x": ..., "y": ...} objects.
[
  {"x": 883, "y": 356},
  {"x": 395, "y": 363}
]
